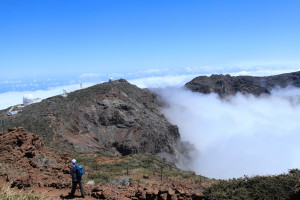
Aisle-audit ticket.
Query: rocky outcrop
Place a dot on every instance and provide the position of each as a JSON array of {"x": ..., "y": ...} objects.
[
  {"x": 25, "y": 162},
  {"x": 115, "y": 116},
  {"x": 173, "y": 193},
  {"x": 295, "y": 193},
  {"x": 225, "y": 85},
  {"x": 138, "y": 192}
]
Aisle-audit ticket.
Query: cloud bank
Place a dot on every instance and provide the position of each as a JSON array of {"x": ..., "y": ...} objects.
[
  {"x": 162, "y": 81},
  {"x": 8, "y": 99},
  {"x": 11, "y": 98},
  {"x": 245, "y": 135},
  {"x": 12, "y": 91}
]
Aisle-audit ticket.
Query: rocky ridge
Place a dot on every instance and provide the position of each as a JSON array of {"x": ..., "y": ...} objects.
[
  {"x": 115, "y": 117},
  {"x": 225, "y": 85}
]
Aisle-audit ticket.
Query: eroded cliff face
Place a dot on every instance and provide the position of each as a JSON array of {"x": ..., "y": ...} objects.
[
  {"x": 225, "y": 85},
  {"x": 115, "y": 117}
]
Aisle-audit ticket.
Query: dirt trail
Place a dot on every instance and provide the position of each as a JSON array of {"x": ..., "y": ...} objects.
[{"x": 59, "y": 193}]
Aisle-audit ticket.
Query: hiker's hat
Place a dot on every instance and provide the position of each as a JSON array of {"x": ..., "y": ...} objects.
[{"x": 73, "y": 161}]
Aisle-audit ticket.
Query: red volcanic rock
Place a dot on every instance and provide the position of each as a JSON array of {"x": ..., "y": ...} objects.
[
  {"x": 30, "y": 163},
  {"x": 171, "y": 191}
]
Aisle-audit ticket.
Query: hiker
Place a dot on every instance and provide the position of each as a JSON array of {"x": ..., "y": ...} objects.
[{"x": 76, "y": 179}]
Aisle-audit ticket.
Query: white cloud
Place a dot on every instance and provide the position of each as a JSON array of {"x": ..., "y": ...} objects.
[
  {"x": 243, "y": 70},
  {"x": 10, "y": 81},
  {"x": 162, "y": 81},
  {"x": 8, "y": 99},
  {"x": 149, "y": 72},
  {"x": 179, "y": 80},
  {"x": 264, "y": 72},
  {"x": 153, "y": 71},
  {"x": 208, "y": 69},
  {"x": 146, "y": 81},
  {"x": 90, "y": 75},
  {"x": 244, "y": 136}
]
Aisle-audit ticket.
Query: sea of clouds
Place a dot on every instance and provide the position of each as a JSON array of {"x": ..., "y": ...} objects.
[
  {"x": 8, "y": 99},
  {"x": 242, "y": 135}
]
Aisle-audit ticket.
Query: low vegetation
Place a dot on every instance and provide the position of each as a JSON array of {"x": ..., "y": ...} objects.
[
  {"x": 7, "y": 193},
  {"x": 138, "y": 167},
  {"x": 104, "y": 169},
  {"x": 279, "y": 187}
]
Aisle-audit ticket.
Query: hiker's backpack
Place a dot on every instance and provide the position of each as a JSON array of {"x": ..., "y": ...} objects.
[{"x": 79, "y": 170}]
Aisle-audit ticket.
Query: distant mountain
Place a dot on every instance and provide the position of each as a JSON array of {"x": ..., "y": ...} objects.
[
  {"x": 225, "y": 85},
  {"x": 114, "y": 117}
]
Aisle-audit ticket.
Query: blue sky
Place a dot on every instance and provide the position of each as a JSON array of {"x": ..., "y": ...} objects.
[{"x": 61, "y": 38}]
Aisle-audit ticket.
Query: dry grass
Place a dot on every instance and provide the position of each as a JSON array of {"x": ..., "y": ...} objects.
[{"x": 7, "y": 193}]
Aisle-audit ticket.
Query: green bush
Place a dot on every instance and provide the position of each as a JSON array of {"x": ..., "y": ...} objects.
[
  {"x": 100, "y": 177},
  {"x": 255, "y": 188}
]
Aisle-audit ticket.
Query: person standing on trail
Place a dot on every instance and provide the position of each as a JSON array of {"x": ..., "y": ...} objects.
[{"x": 76, "y": 178}]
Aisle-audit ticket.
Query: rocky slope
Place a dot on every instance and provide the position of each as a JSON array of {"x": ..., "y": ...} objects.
[
  {"x": 225, "y": 85},
  {"x": 25, "y": 163},
  {"x": 115, "y": 117}
]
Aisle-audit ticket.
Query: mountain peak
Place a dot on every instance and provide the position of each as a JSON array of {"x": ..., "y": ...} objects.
[{"x": 115, "y": 117}]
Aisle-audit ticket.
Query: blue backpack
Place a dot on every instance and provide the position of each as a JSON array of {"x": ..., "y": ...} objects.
[{"x": 79, "y": 170}]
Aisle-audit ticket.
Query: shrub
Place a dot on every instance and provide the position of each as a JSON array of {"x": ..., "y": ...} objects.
[
  {"x": 100, "y": 177},
  {"x": 257, "y": 187}
]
